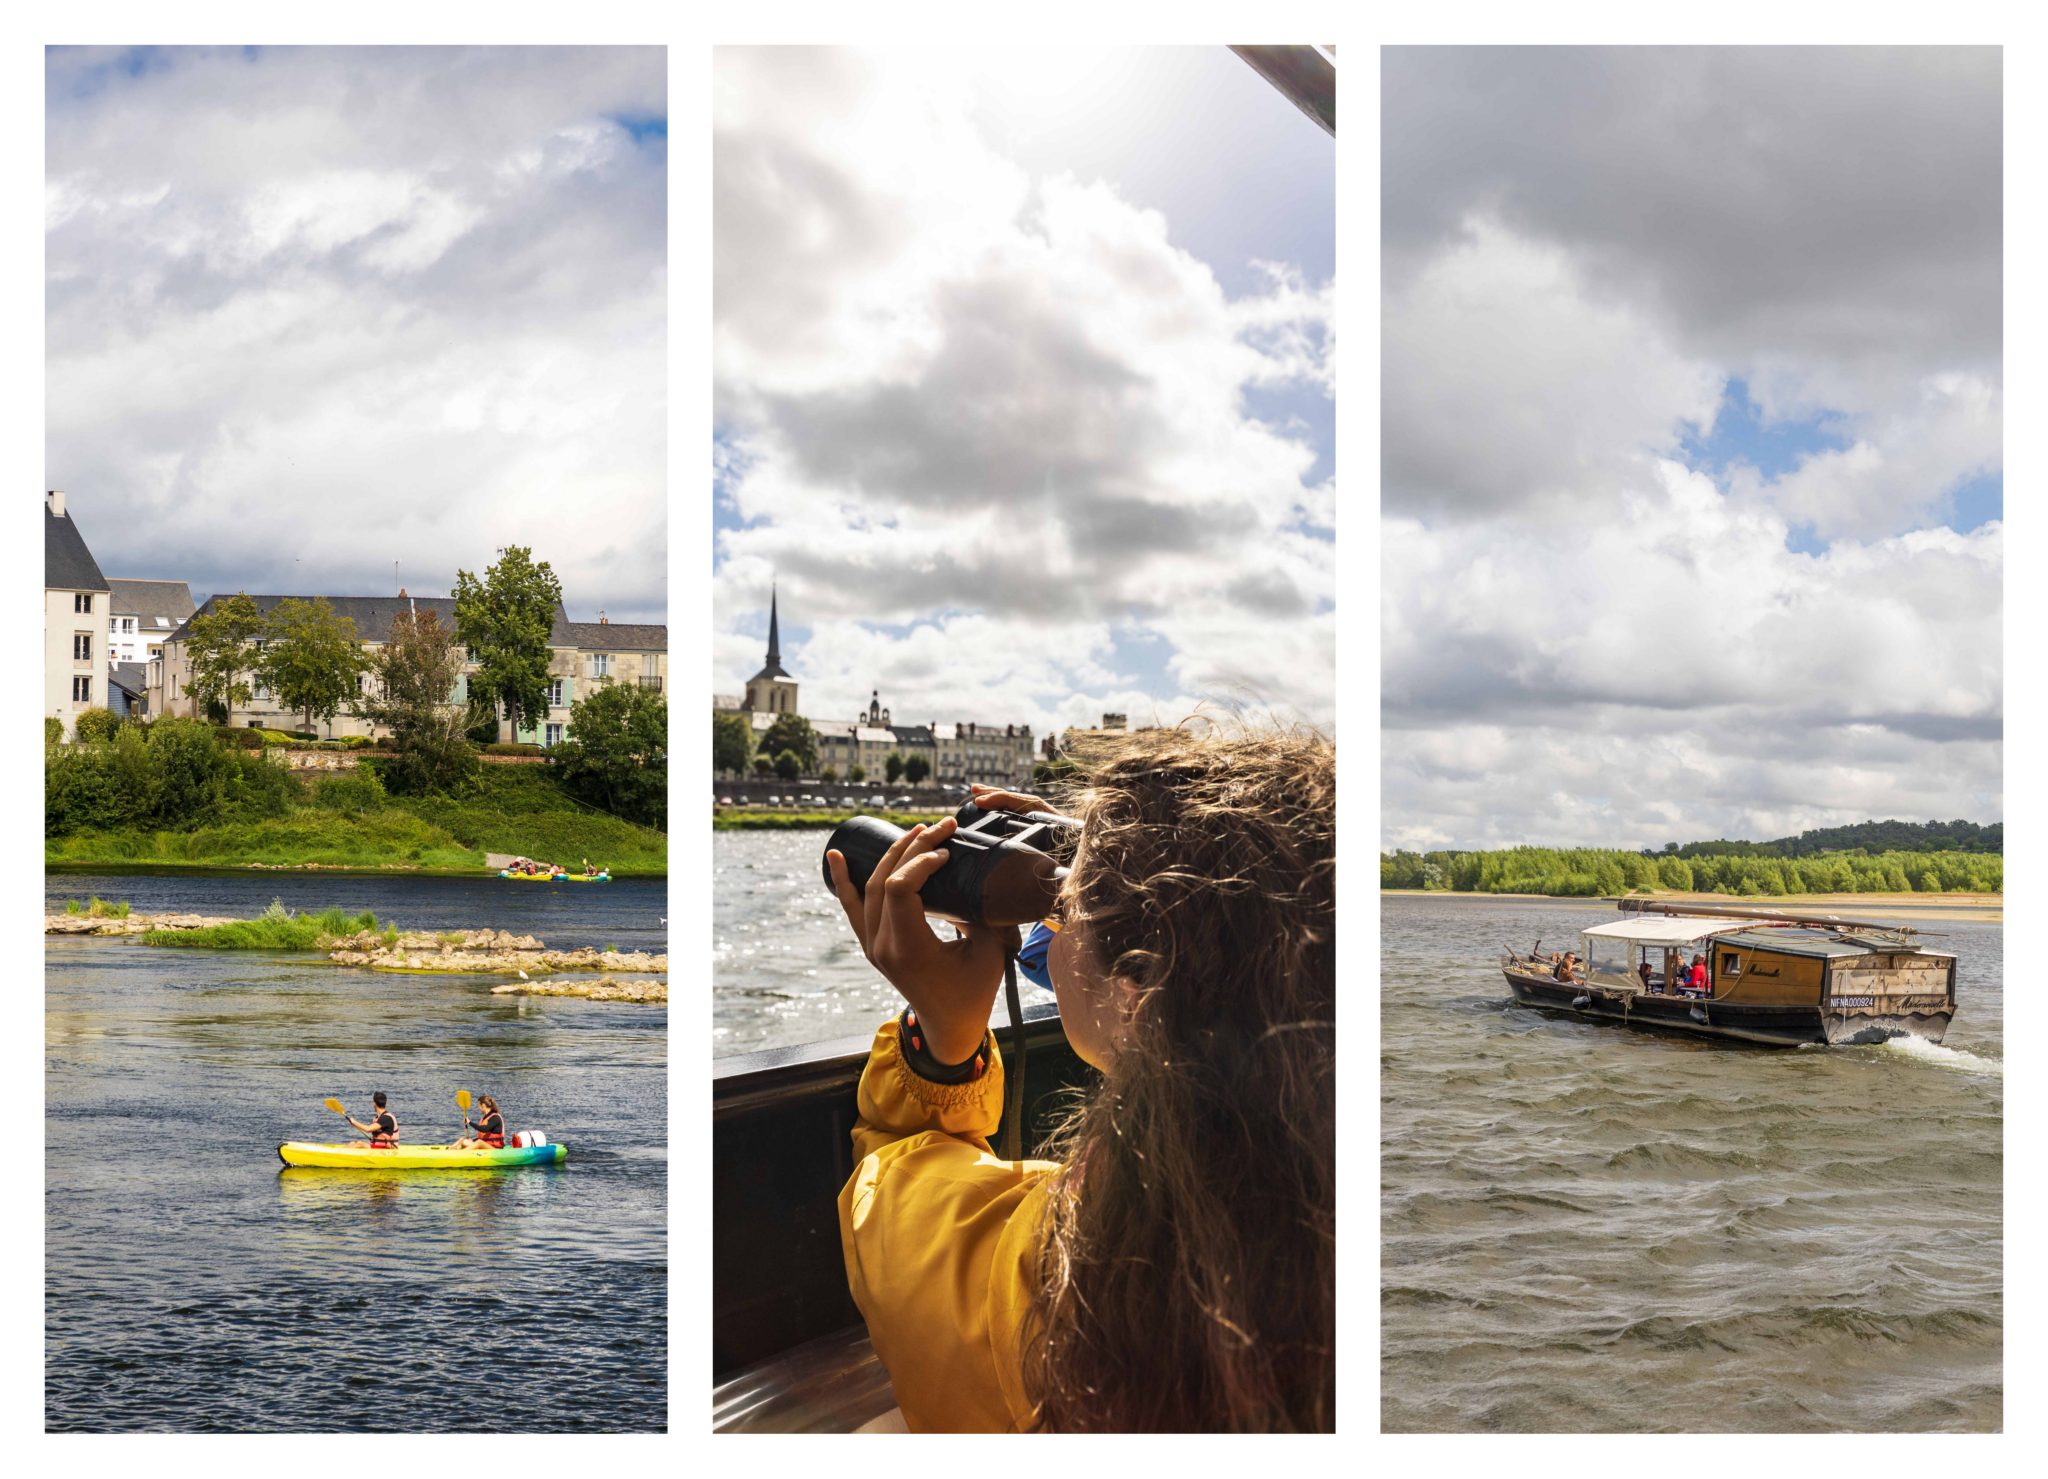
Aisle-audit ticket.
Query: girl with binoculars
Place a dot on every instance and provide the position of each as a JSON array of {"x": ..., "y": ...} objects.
[{"x": 1170, "y": 1263}]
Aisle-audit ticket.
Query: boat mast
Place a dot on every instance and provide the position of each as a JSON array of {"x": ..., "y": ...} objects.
[{"x": 1773, "y": 916}]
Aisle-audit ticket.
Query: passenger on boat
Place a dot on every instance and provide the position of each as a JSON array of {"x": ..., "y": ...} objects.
[
  {"x": 489, "y": 1127},
  {"x": 1566, "y": 969},
  {"x": 1171, "y": 1265},
  {"x": 1644, "y": 971},
  {"x": 382, "y": 1129},
  {"x": 1695, "y": 983}
]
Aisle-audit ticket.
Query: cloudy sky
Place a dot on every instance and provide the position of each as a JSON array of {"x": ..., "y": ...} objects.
[
  {"x": 1024, "y": 369},
  {"x": 1691, "y": 425},
  {"x": 314, "y": 311}
]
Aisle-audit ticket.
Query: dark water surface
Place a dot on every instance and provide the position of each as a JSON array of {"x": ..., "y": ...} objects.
[
  {"x": 194, "y": 1284},
  {"x": 1589, "y": 1228}
]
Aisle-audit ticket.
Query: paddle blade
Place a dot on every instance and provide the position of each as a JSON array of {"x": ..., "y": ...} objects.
[
  {"x": 335, "y": 1105},
  {"x": 462, "y": 1099}
]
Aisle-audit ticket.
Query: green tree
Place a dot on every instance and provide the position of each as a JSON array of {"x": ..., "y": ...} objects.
[
  {"x": 415, "y": 673},
  {"x": 916, "y": 768},
  {"x": 732, "y": 741},
  {"x": 616, "y": 755},
  {"x": 893, "y": 768},
  {"x": 763, "y": 765},
  {"x": 311, "y": 658},
  {"x": 505, "y": 620},
  {"x": 787, "y": 766},
  {"x": 792, "y": 734},
  {"x": 95, "y": 726},
  {"x": 53, "y": 731},
  {"x": 829, "y": 774},
  {"x": 219, "y": 646},
  {"x": 856, "y": 773}
]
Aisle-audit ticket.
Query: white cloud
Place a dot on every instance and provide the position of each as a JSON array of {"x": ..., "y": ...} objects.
[
  {"x": 312, "y": 311},
  {"x": 977, "y": 420},
  {"x": 1583, "y": 641},
  {"x": 1507, "y": 380}
]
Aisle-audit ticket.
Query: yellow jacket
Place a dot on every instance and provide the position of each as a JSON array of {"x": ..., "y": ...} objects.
[{"x": 941, "y": 1242}]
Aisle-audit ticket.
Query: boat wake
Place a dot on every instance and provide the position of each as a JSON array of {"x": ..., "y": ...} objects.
[{"x": 1939, "y": 1056}]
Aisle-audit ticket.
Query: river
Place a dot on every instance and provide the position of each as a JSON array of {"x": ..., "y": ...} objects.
[
  {"x": 1588, "y": 1228},
  {"x": 786, "y": 969},
  {"x": 193, "y": 1284}
]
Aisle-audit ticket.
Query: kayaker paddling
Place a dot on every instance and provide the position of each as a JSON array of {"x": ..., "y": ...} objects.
[
  {"x": 382, "y": 1129},
  {"x": 489, "y": 1127}
]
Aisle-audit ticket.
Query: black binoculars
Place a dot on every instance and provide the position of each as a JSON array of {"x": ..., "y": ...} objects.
[{"x": 1002, "y": 867}]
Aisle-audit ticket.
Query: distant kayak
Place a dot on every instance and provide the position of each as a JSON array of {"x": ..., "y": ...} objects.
[
  {"x": 417, "y": 1157},
  {"x": 554, "y": 877}
]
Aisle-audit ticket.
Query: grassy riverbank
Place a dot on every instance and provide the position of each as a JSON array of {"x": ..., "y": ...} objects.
[
  {"x": 814, "y": 821},
  {"x": 512, "y": 809}
]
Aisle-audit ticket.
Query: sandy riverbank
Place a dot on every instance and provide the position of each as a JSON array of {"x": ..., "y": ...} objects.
[{"x": 1971, "y": 908}]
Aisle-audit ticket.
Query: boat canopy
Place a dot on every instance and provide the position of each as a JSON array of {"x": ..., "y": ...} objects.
[{"x": 1663, "y": 929}]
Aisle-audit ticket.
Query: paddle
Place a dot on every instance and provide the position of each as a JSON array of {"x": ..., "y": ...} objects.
[
  {"x": 335, "y": 1105},
  {"x": 462, "y": 1103}
]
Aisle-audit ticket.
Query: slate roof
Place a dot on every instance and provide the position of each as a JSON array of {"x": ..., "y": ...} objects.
[
  {"x": 133, "y": 676},
  {"x": 373, "y": 615},
  {"x": 618, "y": 636},
  {"x": 67, "y": 564},
  {"x": 158, "y": 605}
]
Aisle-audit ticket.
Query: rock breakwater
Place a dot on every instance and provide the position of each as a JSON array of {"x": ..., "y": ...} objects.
[
  {"x": 485, "y": 952},
  {"x": 641, "y": 989},
  {"x": 133, "y": 924}
]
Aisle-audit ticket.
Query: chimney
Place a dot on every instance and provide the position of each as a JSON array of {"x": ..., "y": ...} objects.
[
  {"x": 603, "y": 620},
  {"x": 57, "y": 502},
  {"x": 402, "y": 595}
]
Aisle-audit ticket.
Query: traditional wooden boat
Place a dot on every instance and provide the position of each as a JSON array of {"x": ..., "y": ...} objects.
[{"x": 1773, "y": 976}]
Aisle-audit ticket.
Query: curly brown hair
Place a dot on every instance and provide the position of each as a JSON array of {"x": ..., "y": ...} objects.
[{"x": 1187, "y": 1276}]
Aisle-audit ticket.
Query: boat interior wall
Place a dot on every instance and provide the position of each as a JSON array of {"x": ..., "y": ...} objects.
[
  {"x": 780, "y": 1151},
  {"x": 1765, "y": 978}
]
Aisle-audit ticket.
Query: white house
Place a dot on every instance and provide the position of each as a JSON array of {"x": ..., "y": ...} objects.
[{"x": 74, "y": 619}]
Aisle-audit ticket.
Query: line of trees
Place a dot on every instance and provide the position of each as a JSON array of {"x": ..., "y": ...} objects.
[
  {"x": 1890, "y": 836},
  {"x": 1609, "y": 872}
]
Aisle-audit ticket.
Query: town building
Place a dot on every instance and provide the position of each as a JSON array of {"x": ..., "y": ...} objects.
[
  {"x": 870, "y": 740},
  {"x": 74, "y": 619},
  {"x": 954, "y": 754},
  {"x": 128, "y": 690},
  {"x": 583, "y": 655},
  {"x": 994, "y": 754},
  {"x": 141, "y": 614}
]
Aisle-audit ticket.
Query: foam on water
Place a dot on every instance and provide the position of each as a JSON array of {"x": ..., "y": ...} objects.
[{"x": 1940, "y": 1056}]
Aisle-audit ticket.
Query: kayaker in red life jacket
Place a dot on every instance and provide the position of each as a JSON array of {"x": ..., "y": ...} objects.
[
  {"x": 490, "y": 1127},
  {"x": 382, "y": 1130}
]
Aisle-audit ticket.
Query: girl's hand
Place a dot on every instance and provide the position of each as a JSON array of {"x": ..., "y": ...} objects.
[
  {"x": 950, "y": 984},
  {"x": 988, "y": 798}
]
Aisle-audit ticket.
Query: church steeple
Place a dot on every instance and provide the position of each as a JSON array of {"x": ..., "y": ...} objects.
[{"x": 773, "y": 668}]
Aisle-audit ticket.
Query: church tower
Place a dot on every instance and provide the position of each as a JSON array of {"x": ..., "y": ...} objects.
[{"x": 772, "y": 690}]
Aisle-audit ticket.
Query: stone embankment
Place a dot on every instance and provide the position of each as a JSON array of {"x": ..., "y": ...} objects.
[
  {"x": 484, "y": 952},
  {"x": 644, "y": 989},
  {"x": 134, "y": 924}
]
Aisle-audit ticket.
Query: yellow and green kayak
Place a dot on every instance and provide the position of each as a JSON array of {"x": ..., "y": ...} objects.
[
  {"x": 555, "y": 878},
  {"x": 417, "y": 1157}
]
